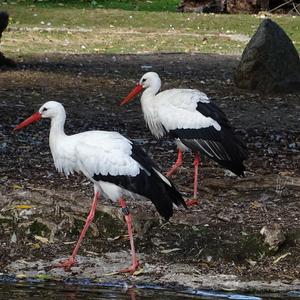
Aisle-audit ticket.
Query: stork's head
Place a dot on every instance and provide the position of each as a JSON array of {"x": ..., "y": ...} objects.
[
  {"x": 149, "y": 80},
  {"x": 50, "y": 109}
]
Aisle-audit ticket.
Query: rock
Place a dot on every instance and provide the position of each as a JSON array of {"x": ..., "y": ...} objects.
[
  {"x": 4, "y": 61},
  {"x": 270, "y": 62},
  {"x": 4, "y": 18},
  {"x": 274, "y": 236},
  {"x": 3, "y": 21}
]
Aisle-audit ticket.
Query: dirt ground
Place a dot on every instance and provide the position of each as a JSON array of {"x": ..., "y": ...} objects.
[{"x": 220, "y": 236}]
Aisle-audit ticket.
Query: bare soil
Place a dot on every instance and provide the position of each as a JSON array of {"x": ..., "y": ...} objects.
[{"x": 220, "y": 236}]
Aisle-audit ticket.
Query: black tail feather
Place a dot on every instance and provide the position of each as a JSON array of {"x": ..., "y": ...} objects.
[
  {"x": 222, "y": 146},
  {"x": 149, "y": 183}
]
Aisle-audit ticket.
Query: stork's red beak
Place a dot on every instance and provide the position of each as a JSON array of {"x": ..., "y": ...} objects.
[
  {"x": 34, "y": 118},
  {"x": 132, "y": 94}
]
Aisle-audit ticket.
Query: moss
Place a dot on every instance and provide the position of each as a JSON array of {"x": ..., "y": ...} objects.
[
  {"x": 106, "y": 225},
  {"x": 249, "y": 246},
  {"x": 217, "y": 242},
  {"x": 37, "y": 228}
]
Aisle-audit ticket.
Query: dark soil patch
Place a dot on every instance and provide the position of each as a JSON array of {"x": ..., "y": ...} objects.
[{"x": 220, "y": 236}]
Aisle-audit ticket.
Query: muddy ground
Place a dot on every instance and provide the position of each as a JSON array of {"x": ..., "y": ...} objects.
[{"x": 218, "y": 240}]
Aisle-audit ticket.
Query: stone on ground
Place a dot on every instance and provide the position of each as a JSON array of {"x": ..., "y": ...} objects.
[
  {"x": 270, "y": 62},
  {"x": 4, "y": 61}
]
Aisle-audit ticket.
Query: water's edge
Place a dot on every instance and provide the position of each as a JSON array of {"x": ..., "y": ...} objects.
[
  {"x": 8, "y": 281},
  {"x": 171, "y": 289}
]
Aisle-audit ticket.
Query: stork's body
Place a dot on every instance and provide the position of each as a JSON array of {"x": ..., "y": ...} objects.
[
  {"x": 114, "y": 164},
  {"x": 194, "y": 121}
]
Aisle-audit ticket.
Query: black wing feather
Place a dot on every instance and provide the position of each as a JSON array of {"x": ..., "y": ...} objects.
[
  {"x": 209, "y": 109},
  {"x": 223, "y": 146},
  {"x": 148, "y": 184}
]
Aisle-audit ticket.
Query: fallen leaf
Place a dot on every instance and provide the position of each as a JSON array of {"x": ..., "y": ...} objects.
[
  {"x": 251, "y": 262},
  {"x": 281, "y": 257},
  {"x": 114, "y": 238},
  {"x": 41, "y": 239},
  {"x": 23, "y": 206},
  {"x": 36, "y": 246},
  {"x": 17, "y": 187},
  {"x": 111, "y": 274},
  {"x": 170, "y": 250},
  {"x": 118, "y": 237},
  {"x": 92, "y": 253},
  {"x": 13, "y": 238},
  {"x": 43, "y": 276},
  {"x": 69, "y": 243},
  {"x": 138, "y": 272}
]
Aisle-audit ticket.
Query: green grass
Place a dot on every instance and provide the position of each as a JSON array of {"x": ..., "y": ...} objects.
[
  {"x": 133, "y": 5},
  {"x": 37, "y": 29}
]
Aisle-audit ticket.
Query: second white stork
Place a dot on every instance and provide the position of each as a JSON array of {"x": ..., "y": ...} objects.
[
  {"x": 194, "y": 121},
  {"x": 115, "y": 165}
]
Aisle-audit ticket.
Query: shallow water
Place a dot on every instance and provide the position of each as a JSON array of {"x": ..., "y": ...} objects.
[{"x": 120, "y": 291}]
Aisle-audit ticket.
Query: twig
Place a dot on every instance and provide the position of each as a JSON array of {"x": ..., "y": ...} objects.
[
  {"x": 282, "y": 4},
  {"x": 295, "y": 8}
]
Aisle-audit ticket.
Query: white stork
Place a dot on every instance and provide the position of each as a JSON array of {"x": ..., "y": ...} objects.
[
  {"x": 115, "y": 165},
  {"x": 194, "y": 121}
]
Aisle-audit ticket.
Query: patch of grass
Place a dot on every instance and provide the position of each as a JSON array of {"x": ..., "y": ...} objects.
[
  {"x": 36, "y": 29},
  {"x": 123, "y": 42},
  {"x": 134, "y": 5}
]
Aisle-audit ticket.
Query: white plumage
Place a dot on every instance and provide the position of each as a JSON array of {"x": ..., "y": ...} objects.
[
  {"x": 193, "y": 120},
  {"x": 94, "y": 152},
  {"x": 177, "y": 109},
  {"x": 90, "y": 152},
  {"x": 113, "y": 163},
  {"x": 172, "y": 109}
]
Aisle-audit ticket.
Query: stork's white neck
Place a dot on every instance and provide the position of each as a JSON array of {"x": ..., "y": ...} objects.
[
  {"x": 56, "y": 133},
  {"x": 57, "y": 125},
  {"x": 150, "y": 111},
  {"x": 58, "y": 144}
]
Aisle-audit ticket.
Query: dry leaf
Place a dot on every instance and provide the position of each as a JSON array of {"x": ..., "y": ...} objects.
[
  {"x": 13, "y": 238},
  {"x": 36, "y": 246},
  {"x": 111, "y": 274},
  {"x": 138, "y": 272},
  {"x": 281, "y": 257},
  {"x": 23, "y": 206},
  {"x": 170, "y": 250},
  {"x": 41, "y": 239},
  {"x": 17, "y": 187}
]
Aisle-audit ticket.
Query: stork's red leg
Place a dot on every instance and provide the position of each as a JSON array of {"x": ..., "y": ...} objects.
[
  {"x": 134, "y": 260},
  {"x": 194, "y": 201},
  {"x": 67, "y": 264},
  {"x": 177, "y": 164}
]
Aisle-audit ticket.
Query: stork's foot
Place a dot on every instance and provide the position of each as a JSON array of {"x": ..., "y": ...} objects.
[
  {"x": 66, "y": 264},
  {"x": 131, "y": 269},
  {"x": 192, "y": 202}
]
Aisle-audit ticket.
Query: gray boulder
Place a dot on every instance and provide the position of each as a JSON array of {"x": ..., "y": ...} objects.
[{"x": 270, "y": 62}]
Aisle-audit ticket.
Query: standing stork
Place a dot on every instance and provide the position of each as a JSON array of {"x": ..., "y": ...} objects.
[
  {"x": 194, "y": 121},
  {"x": 115, "y": 165}
]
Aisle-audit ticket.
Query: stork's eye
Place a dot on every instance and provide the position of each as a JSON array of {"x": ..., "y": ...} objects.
[
  {"x": 144, "y": 79},
  {"x": 44, "y": 109}
]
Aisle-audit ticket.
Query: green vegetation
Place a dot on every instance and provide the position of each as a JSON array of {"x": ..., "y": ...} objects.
[
  {"x": 35, "y": 29},
  {"x": 134, "y": 5}
]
